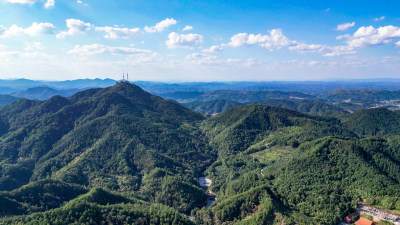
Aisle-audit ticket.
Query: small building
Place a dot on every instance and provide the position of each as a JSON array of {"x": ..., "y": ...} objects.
[
  {"x": 350, "y": 218},
  {"x": 363, "y": 221}
]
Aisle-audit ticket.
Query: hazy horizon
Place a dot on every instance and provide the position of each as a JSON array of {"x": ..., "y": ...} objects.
[{"x": 376, "y": 79}]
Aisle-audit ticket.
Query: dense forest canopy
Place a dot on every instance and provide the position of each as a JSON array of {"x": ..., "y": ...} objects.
[{"x": 121, "y": 155}]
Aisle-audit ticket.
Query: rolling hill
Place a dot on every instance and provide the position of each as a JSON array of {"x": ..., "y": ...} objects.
[
  {"x": 122, "y": 155},
  {"x": 7, "y": 99},
  {"x": 211, "y": 107},
  {"x": 371, "y": 122},
  {"x": 304, "y": 106},
  {"x": 361, "y": 95},
  {"x": 238, "y": 96},
  {"x": 43, "y": 93},
  {"x": 120, "y": 138},
  {"x": 281, "y": 166}
]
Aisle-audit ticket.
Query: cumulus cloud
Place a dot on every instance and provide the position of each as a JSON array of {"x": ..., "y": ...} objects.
[
  {"x": 345, "y": 26},
  {"x": 305, "y": 48},
  {"x": 326, "y": 50},
  {"x": 187, "y": 28},
  {"x": 380, "y": 18},
  {"x": 96, "y": 49},
  {"x": 274, "y": 40},
  {"x": 48, "y": 4},
  {"x": 368, "y": 36},
  {"x": 35, "y": 29},
  {"x": 340, "y": 50},
  {"x": 397, "y": 44},
  {"x": 363, "y": 37},
  {"x": 213, "y": 49},
  {"x": 161, "y": 26},
  {"x": 118, "y": 33},
  {"x": 24, "y": 2},
  {"x": 75, "y": 27},
  {"x": 183, "y": 40}
]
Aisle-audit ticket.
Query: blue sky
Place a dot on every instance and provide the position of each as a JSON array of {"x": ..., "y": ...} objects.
[{"x": 199, "y": 40}]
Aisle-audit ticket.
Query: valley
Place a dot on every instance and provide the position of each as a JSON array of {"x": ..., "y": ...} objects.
[{"x": 152, "y": 159}]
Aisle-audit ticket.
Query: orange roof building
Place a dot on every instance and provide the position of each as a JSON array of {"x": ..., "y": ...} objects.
[{"x": 363, "y": 221}]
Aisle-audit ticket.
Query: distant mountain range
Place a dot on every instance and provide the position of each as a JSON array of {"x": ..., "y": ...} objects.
[
  {"x": 43, "y": 93},
  {"x": 212, "y": 97},
  {"x": 308, "y": 87}
]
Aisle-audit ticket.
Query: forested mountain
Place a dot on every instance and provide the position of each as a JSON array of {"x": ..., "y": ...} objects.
[
  {"x": 311, "y": 107},
  {"x": 238, "y": 96},
  {"x": 8, "y": 85},
  {"x": 120, "y": 138},
  {"x": 221, "y": 105},
  {"x": 120, "y": 155},
  {"x": 43, "y": 93},
  {"x": 371, "y": 122},
  {"x": 361, "y": 95},
  {"x": 211, "y": 107},
  {"x": 7, "y": 99},
  {"x": 278, "y": 166}
]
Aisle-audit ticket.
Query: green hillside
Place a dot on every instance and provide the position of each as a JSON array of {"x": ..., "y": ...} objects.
[
  {"x": 309, "y": 178},
  {"x": 102, "y": 207},
  {"x": 314, "y": 108},
  {"x": 120, "y": 155},
  {"x": 41, "y": 196},
  {"x": 211, "y": 107},
  {"x": 361, "y": 95},
  {"x": 304, "y": 106},
  {"x": 238, "y": 96},
  {"x": 370, "y": 122},
  {"x": 113, "y": 138},
  {"x": 43, "y": 93},
  {"x": 7, "y": 99}
]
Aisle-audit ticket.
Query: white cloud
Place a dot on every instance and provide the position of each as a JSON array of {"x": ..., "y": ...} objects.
[
  {"x": 35, "y": 55},
  {"x": 81, "y": 2},
  {"x": 49, "y": 4},
  {"x": 199, "y": 56},
  {"x": 397, "y": 44},
  {"x": 305, "y": 48},
  {"x": 35, "y": 29},
  {"x": 161, "y": 26},
  {"x": 75, "y": 27},
  {"x": 213, "y": 49},
  {"x": 183, "y": 40},
  {"x": 326, "y": 50},
  {"x": 187, "y": 28},
  {"x": 24, "y": 2},
  {"x": 345, "y": 26},
  {"x": 31, "y": 46},
  {"x": 96, "y": 49},
  {"x": 117, "y": 33},
  {"x": 368, "y": 36},
  {"x": 340, "y": 50},
  {"x": 274, "y": 40},
  {"x": 380, "y": 18},
  {"x": 363, "y": 37}
]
